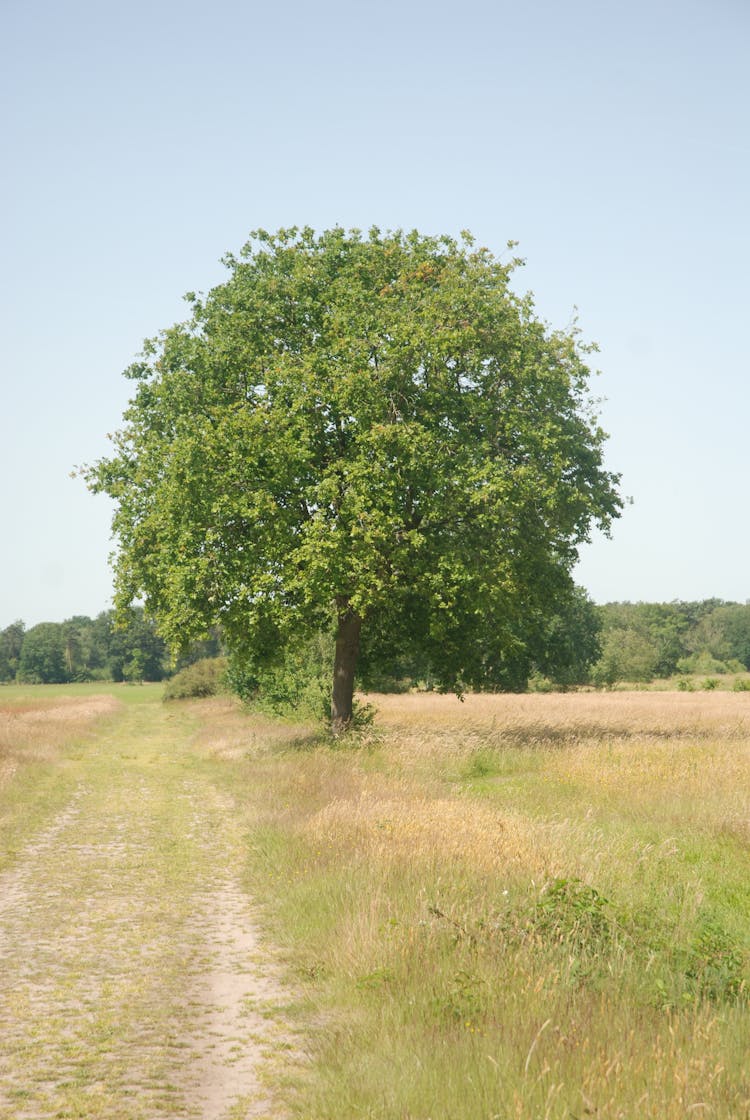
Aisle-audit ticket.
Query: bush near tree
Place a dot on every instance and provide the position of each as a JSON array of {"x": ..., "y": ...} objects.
[{"x": 204, "y": 677}]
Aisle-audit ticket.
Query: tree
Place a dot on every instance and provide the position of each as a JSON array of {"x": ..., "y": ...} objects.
[
  {"x": 724, "y": 633},
  {"x": 661, "y": 630},
  {"x": 626, "y": 656},
  {"x": 11, "y": 643},
  {"x": 134, "y": 647},
  {"x": 570, "y": 641},
  {"x": 42, "y": 659},
  {"x": 370, "y": 434}
]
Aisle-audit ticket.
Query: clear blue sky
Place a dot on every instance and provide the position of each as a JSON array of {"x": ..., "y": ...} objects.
[{"x": 141, "y": 141}]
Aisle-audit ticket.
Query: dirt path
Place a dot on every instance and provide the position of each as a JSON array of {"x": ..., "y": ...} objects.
[{"x": 131, "y": 983}]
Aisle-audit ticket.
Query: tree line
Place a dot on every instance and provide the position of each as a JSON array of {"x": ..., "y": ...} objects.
[
  {"x": 91, "y": 649},
  {"x": 640, "y": 642},
  {"x": 614, "y": 643},
  {"x": 585, "y": 645}
]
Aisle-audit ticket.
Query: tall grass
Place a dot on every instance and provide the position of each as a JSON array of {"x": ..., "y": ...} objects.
[{"x": 515, "y": 907}]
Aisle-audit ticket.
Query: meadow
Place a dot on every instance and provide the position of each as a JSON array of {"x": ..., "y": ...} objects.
[
  {"x": 509, "y": 908},
  {"x": 512, "y": 907}
]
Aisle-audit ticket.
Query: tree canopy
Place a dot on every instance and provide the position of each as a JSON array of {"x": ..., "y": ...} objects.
[{"x": 369, "y": 434}]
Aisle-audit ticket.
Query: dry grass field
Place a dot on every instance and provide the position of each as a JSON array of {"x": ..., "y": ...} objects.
[
  {"x": 36, "y": 727},
  {"x": 512, "y": 907}
]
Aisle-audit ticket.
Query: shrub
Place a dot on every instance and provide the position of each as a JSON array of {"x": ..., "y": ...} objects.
[
  {"x": 573, "y": 912},
  {"x": 203, "y": 678},
  {"x": 538, "y": 683},
  {"x": 716, "y": 965},
  {"x": 701, "y": 663},
  {"x": 297, "y": 684}
]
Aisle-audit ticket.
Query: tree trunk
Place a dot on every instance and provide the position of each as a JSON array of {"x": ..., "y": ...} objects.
[{"x": 345, "y": 662}]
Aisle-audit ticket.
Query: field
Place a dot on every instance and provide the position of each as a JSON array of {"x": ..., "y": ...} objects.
[{"x": 512, "y": 907}]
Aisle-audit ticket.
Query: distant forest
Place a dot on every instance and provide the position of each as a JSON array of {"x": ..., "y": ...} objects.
[
  {"x": 641, "y": 642},
  {"x": 618, "y": 642},
  {"x": 91, "y": 649}
]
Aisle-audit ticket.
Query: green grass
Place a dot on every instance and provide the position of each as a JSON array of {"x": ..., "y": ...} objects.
[{"x": 42, "y": 693}]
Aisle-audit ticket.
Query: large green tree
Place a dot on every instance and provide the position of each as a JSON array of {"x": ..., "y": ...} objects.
[
  {"x": 372, "y": 434},
  {"x": 43, "y": 655}
]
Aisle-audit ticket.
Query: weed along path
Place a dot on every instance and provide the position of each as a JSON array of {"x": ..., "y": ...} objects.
[{"x": 131, "y": 982}]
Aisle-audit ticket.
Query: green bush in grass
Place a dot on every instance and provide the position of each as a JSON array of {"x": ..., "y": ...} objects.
[{"x": 203, "y": 678}]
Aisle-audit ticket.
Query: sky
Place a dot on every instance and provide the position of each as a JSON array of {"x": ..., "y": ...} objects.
[{"x": 142, "y": 141}]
